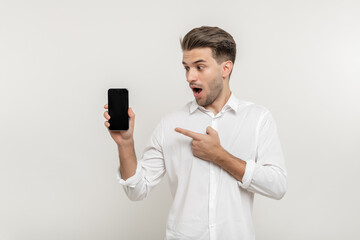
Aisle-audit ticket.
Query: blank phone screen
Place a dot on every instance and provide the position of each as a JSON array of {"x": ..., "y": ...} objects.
[{"x": 118, "y": 102}]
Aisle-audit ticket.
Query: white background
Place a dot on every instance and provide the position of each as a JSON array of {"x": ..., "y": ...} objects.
[{"x": 300, "y": 59}]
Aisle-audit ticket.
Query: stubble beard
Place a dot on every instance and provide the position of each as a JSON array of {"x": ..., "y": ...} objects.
[{"x": 216, "y": 88}]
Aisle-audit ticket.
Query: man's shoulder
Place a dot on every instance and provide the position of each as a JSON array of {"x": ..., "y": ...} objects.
[
  {"x": 179, "y": 113},
  {"x": 245, "y": 106}
]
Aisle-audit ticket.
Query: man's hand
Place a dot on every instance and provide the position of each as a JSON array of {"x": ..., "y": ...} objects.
[
  {"x": 125, "y": 142},
  {"x": 204, "y": 146},
  {"x": 121, "y": 137}
]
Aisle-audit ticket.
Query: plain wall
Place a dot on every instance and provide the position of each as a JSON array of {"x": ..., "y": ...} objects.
[{"x": 58, "y": 163}]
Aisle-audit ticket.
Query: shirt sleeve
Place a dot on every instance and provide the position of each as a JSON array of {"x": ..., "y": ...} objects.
[
  {"x": 150, "y": 168},
  {"x": 266, "y": 174}
]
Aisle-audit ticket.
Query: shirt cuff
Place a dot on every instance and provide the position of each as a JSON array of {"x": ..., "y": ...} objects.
[
  {"x": 131, "y": 181},
  {"x": 249, "y": 171}
]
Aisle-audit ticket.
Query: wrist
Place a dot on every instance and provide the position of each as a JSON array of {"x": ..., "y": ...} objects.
[
  {"x": 129, "y": 143},
  {"x": 219, "y": 156}
]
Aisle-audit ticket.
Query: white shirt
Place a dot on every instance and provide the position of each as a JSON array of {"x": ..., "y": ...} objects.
[{"x": 209, "y": 203}]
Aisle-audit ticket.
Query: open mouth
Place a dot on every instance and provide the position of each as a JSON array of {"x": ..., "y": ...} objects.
[{"x": 197, "y": 92}]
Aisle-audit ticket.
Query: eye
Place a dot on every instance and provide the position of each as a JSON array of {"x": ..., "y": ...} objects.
[
  {"x": 200, "y": 67},
  {"x": 186, "y": 68}
]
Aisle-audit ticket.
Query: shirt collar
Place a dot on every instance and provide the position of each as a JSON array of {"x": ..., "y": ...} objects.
[{"x": 232, "y": 103}]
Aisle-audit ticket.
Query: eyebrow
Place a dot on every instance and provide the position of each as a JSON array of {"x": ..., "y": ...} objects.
[{"x": 198, "y": 61}]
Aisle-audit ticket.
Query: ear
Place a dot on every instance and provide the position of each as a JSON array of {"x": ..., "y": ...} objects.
[{"x": 227, "y": 66}]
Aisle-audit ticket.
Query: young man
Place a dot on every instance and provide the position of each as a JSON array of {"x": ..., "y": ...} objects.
[{"x": 217, "y": 151}]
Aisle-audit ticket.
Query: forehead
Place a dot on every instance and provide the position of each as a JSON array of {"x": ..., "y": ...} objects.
[{"x": 190, "y": 56}]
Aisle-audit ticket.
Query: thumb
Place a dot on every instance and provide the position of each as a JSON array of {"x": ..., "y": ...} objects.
[
  {"x": 210, "y": 131},
  {"x": 131, "y": 118}
]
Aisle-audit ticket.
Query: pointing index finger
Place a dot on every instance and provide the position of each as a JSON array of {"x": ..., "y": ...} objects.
[{"x": 193, "y": 135}]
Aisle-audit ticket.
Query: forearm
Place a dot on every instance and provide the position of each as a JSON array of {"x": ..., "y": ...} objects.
[
  {"x": 127, "y": 157},
  {"x": 233, "y": 165},
  {"x": 267, "y": 180}
]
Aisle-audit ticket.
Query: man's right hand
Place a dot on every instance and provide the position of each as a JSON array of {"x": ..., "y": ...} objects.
[{"x": 124, "y": 136}]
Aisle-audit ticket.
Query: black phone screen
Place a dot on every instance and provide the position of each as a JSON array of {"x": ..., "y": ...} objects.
[{"x": 118, "y": 103}]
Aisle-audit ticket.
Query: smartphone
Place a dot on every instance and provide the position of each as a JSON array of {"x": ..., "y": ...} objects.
[{"x": 118, "y": 103}]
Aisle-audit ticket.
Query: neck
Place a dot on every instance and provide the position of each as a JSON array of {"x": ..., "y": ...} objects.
[{"x": 220, "y": 101}]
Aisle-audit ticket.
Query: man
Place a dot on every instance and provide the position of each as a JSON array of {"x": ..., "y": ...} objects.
[{"x": 217, "y": 151}]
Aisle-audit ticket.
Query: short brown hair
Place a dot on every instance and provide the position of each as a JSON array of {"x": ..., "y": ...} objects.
[{"x": 221, "y": 42}]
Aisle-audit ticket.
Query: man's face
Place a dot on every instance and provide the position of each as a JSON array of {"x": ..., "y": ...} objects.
[{"x": 203, "y": 74}]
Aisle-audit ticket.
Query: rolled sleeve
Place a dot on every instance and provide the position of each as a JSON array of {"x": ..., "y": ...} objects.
[
  {"x": 249, "y": 171},
  {"x": 131, "y": 181}
]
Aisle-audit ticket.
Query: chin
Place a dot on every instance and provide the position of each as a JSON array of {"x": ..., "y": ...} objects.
[
  {"x": 199, "y": 102},
  {"x": 202, "y": 103}
]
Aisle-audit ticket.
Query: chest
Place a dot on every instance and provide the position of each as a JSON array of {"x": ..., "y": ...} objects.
[{"x": 237, "y": 135}]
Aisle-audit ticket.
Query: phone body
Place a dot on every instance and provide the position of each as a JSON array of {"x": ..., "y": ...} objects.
[{"x": 118, "y": 103}]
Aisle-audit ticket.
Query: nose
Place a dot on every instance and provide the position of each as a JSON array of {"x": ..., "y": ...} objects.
[{"x": 191, "y": 75}]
